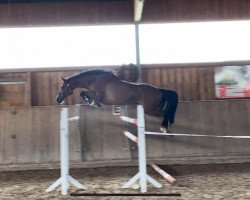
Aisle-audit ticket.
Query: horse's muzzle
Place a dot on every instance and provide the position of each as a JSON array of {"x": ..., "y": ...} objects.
[{"x": 59, "y": 98}]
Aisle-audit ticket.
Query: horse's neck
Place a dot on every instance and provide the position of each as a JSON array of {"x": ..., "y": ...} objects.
[
  {"x": 83, "y": 82},
  {"x": 93, "y": 81}
]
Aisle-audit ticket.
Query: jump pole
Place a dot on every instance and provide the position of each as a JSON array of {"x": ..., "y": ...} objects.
[
  {"x": 142, "y": 175},
  {"x": 65, "y": 180},
  {"x": 165, "y": 175}
]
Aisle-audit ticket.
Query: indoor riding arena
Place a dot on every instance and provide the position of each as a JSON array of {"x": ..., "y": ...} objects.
[{"x": 125, "y": 99}]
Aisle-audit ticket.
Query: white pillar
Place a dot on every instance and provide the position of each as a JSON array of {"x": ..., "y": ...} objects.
[
  {"x": 65, "y": 180},
  {"x": 142, "y": 175},
  {"x": 142, "y": 148},
  {"x": 64, "y": 150},
  {"x": 137, "y": 50}
]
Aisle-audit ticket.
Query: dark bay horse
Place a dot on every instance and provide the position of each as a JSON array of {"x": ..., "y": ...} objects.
[{"x": 103, "y": 87}]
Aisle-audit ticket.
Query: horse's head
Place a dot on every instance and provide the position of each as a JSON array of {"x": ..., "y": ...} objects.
[{"x": 66, "y": 90}]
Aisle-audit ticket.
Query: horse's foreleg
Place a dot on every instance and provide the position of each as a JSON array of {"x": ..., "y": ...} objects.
[{"x": 90, "y": 98}]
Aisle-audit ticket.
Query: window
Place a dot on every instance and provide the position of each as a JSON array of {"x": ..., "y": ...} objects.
[
  {"x": 195, "y": 42},
  {"x": 192, "y": 42},
  {"x": 66, "y": 46}
]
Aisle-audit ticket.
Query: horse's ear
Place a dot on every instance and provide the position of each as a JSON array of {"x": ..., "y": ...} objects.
[{"x": 64, "y": 80}]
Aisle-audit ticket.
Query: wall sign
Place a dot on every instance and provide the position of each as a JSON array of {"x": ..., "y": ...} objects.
[{"x": 232, "y": 81}]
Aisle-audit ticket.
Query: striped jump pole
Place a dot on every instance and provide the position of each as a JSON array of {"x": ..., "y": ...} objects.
[
  {"x": 131, "y": 136},
  {"x": 164, "y": 174},
  {"x": 142, "y": 175},
  {"x": 65, "y": 180},
  {"x": 130, "y": 120}
]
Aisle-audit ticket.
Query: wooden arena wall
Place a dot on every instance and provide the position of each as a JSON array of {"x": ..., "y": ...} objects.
[
  {"x": 41, "y": 88},
  {"x": 195, "y": 10},
  {"x": 77, "y": 13},
  {"x": 191, "y": 83},
  {"x": 29, "y": 128},
  {"x": 30, "y": 136}
]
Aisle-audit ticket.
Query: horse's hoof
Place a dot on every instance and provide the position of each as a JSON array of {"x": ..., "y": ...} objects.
[
  {"x": 95, "y": 104},
  {"x": 164, "y": 130}
]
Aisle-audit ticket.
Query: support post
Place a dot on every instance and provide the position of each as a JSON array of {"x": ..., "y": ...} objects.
[
  {"x": 65, "y": 180},
  {"x": 137, "y": 51},
  {"x": 142, "y": 148},
  {"x": 64, "y": 151},
  {"x": 142, "y": 175}
]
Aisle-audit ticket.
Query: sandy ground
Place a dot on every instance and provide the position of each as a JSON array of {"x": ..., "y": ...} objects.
[{"x": 227, "y": 181}]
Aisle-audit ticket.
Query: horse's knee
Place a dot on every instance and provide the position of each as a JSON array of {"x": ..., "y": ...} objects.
[
  {"x": 89, "y": 100},
  {"x": 82, "y": 94},
  {"x": 85, "y": 97}
]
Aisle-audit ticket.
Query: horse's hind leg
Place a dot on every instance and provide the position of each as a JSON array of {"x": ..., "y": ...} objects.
[
  {"x": 86, "y": 96},
  {"x": 165, "y": 125}
]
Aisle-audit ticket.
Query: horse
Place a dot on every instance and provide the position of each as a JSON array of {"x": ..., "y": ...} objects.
[{"x": 104, "y": 87}]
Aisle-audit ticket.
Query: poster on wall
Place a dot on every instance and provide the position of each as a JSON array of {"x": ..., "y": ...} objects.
[{"x": 232, "y": 81}]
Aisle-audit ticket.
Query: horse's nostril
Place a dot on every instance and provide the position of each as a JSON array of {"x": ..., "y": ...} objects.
[{"x": 58, "y": 99}]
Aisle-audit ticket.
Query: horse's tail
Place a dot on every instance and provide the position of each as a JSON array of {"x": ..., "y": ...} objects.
[{"x": 168, "y": 105}]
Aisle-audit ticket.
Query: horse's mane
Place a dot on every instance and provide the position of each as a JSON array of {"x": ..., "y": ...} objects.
[{"x": 88, "y": 73}]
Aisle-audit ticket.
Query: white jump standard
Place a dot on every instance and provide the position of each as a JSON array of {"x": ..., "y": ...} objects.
[
  {"x": 65, "y": 180},
  {"x": 142, "y": 175},
  {"x": 164, "y": 174}
]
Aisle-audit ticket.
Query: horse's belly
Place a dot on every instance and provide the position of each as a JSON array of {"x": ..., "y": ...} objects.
[{"x": 121, "y": 95}]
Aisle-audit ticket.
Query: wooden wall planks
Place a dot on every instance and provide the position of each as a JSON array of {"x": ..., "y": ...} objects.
[
  {"x": 195, "y": 10},
  {"x": 76, "y": 13},
  {"x": 45, "y": 86},
  {"x": 58, "y": 14},
  {"x": 15, "y": 89},
  {"x": 12, "y": 95},
  {"x": 31, "y": 135},
  {"x": 191, "y": 83}
]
